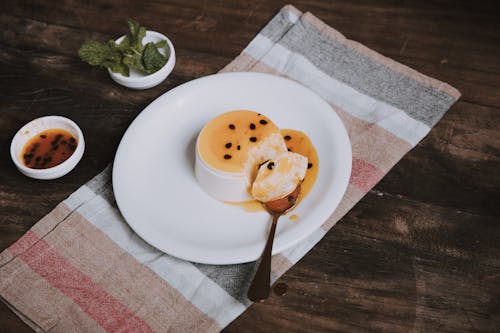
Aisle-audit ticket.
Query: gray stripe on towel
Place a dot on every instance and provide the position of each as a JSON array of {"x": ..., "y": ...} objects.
[
  {"x": 278, "y": 26},
  {"x": 366, "y": 75},
  {"x": 234, "y": 279}
]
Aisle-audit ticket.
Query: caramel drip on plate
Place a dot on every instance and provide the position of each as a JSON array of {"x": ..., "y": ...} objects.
[{"x": 299, "y": 142}]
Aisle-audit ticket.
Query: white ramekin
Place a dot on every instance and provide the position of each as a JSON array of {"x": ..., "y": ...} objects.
[
  {"x": 33, "y": 128},
  {"x": 223, "y": 186}
]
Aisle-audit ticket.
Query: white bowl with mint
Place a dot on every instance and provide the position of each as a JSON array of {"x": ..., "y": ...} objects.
[{"x": 139, "y": 60}]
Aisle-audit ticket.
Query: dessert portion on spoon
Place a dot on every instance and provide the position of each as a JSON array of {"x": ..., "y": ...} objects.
[{"x": 278, "y": 177}]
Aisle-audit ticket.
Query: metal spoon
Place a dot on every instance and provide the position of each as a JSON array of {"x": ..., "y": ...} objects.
[{"x": 260, "y": 286}]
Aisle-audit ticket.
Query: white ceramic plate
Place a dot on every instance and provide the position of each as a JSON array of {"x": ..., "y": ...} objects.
[{"x": 156, "y": 189}]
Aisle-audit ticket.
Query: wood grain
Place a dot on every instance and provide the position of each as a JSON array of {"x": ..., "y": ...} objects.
[{"x": 419, "y": 253}]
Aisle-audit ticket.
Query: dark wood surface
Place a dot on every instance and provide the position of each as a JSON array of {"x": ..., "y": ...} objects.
[{"x": 419, "y": 253}]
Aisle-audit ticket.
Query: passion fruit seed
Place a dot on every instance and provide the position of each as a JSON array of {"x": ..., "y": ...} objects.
[
  {"x": 270, "y": 165},
  {"x": 231, "y": 126},
  {"x": 238, "y": 147},
  {"x": 228, "y": 145},
  {"x": 253, "y": 139},
  {"x": 288, "y": 137},
  {"x": 263, "y": 121},
  {"x": 227, "y": 157},
  {"x": 43, "y": 136},
  {"x": 252, "y": 126},
  {"x": 34, "y": 148},
  {"x": 309, "y": 165}
]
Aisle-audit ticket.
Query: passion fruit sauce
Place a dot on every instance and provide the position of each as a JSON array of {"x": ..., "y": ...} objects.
[{"x": 48, "y": 149}]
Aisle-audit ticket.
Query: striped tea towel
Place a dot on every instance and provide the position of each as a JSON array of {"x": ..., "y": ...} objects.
[{"x": 82, "y": 269}]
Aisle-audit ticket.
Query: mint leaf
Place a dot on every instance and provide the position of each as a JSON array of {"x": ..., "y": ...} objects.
[
  {"x": 136, "y": 34},
  {"x": 96, "y": 53},
  {"x": 133, "y": 27},
  {"x": 134, "y": 61},
  {"x": 130, "y": 53},
  {"x": 124, "y": 44},
  {"x": 161, "y": 44},
  {"x": 119, "y": 67},
  {"x": 152, "y": 58},
  {"x": 103, "y": 55}
]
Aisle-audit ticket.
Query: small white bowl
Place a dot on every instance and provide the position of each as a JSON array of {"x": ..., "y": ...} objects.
[
  {"x": 33, "y": 128},
  {"x": 140, "y": 81}
]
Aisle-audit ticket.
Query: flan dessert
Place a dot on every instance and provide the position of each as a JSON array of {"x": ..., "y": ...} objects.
[{"x": 241, "y": 155}]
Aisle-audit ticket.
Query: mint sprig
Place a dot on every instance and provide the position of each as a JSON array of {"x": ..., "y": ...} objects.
[{"x": 130, "y": 53}]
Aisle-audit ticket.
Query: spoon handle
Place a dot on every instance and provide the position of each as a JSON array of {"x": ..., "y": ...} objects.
[{"x": 260, "y": 286}]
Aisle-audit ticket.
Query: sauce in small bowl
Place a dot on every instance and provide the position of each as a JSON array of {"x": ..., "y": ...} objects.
[{"x": 47, "y": 147}]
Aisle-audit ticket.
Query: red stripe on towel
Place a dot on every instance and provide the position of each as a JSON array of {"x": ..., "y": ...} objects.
[
  {"x": 105, "y": 309},
  {"x": 23, "y": 243},
  {"x": 364, "y": 175}
]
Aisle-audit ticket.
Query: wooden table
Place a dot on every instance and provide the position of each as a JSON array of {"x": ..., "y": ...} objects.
[{"x": 419, "y": 253}]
